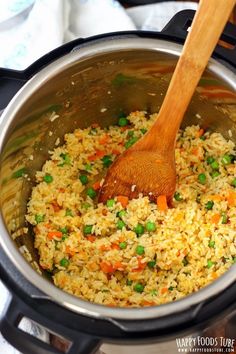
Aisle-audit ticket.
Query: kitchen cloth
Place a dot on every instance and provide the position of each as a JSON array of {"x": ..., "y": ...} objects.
[{"x": 31, "y": 28}]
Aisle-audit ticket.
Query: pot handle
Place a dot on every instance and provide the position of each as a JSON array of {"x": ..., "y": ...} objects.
[
  {"x": 13, "y": 80},
  {"x": 177, "y": 29},
  {"x": 79, "y": 343}
]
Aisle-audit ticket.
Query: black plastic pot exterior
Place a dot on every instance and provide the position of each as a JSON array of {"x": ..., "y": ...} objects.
[{"x": 86, "y": 333}]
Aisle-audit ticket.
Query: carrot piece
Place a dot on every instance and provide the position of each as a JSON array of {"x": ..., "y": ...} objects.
[
  {"x": 104, "y": 212},
  {"x": 216, "y": 197},
  {"x": 114, "y": 246},
  {"x": 141, "y": 265},
  {"x": 91, "y": 238},
  {"x": 55, "y": 206},
  {"x": 231, "y": 199},
  {"x": 104, "y": 139},
  {"x": 97, "y": 155},
  {"x": 106, "y": 267},
  {"x": 148, "y": 303},
  {"x": 215, "y": 218},
  {"x": 104, "y": 248},
  {"x": 162, "y": 203},
  {"x": 115, "y": 152},
  {"x": 97, "y": 185},
  {"x": 200, "y": 133},
  {"x": 164, "y": 290},
  {"x": 123, "y": 200},
  {"x": 53, "y": 234},
  {"x": 70, "y": 251},
  {"x": 118, "y": 265}
]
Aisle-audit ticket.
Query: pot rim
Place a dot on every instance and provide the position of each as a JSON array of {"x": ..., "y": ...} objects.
[{"x": 54, "y": 294}]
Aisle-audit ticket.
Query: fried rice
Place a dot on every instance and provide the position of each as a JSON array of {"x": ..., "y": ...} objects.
[{"x": 134, "y": 253}]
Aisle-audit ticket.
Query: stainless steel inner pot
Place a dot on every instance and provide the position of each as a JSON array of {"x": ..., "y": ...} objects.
[{"x": 96, "y": 83}]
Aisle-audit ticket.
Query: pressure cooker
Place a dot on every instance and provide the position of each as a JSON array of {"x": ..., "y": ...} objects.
[{"x": 73, "y": 81}]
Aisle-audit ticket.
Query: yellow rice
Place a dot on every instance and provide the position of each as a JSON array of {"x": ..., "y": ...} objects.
[{"x": 191, "y": 246}]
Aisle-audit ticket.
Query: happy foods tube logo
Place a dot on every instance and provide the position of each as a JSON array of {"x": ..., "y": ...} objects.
[{"x": 202, "y": 344}]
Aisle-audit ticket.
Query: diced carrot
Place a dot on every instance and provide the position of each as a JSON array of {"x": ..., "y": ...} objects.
[
  {"x": 70, "y": 251},
  {"x": 231, "y": 199},
  {"x": 104, "y": 139},
  {"x": 118, "y": 265},
  {"x": 97, "y": 155},
  {"x": 94, "y": 125},
  {"x": 62, "y": 190},
  {"x": 215, "y": 197},
  {"x": 111, "y": 305},
  {"x": 91, "y": 238},
  {"x": 164, "y": 290},
  {"x": 55, "y": 206},
  {"x": 44, "y": 266},
  {"x": 123, "y": 200},
  {"x": 214, "y": 275},
  {"x": 115, "y": 152},
  {"x": 104, "y": 212},
  {"x": 48, "y": 226},
  {"x": 106, "y": 267},
  {"x": 104, "y": 248},
  {"x": 141, "y": 265},
  {"x": 53, "y": 234},
  {"x": 162, "y": 203},
  {"x": 196, "y": 152},
  {"x": 215, "y": 218},
  {"x": 178, "y": 253},
  {"x": 148, "y": 303},
  {"x": 123, "y": 129},
  {"x": 114, "y": 246},
  {"x": 199, "y": 133},
  {"x": 97, "y": 185}
]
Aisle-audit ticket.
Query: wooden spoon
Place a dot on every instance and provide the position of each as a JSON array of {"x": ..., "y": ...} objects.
[{"x": 148, "y": 167}]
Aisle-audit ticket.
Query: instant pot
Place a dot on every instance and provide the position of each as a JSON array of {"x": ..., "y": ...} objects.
[{"x": 87, "y": 80}]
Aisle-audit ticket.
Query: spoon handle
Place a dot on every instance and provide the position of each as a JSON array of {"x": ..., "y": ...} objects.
[{"x": 206, "y": 29}]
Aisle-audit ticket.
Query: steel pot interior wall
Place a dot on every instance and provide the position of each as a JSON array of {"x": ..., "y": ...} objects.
[{"x": 97, "y": 89}]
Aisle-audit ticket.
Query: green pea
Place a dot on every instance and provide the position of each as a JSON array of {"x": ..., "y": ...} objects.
[
  {"x": 87, "y": 229},
  {"x": 131, "y": 142},
  {"x": 64, "y": 262},
  {"x": 178, "y": 197},
  {"x": 88, "y": 167},
  {"x": 153, "y": 292},
  {"x": 215, "y": 165},
  {"x": 233, "y": 183},
  {"x": 215, "y": 174},
  {"x": 129, "y": 282},
  {"x": 110, "y": 203},
  {"x": 123, "y": 245},
  {"x": 122, "y": 122},
  {"x": 139, "y": 230},
  {"x": 140, "y": 250},
  {"x": 121, "y": 213},
  {"x": 86, "y": 205},
  {"x": 69, "y": 212},
  {"x": 48, "y": 178},
  {"x": 150, "y": 226},
  {"x": 106, "y": 160},
  {"x": 224, "y": 219},
  {"x": 202, "y": 178},
  {"x": 210, "y": 264},
  {"x": 211, "y": 244},
  {"x": 139, "y": 287},
  {"x": 83, "y": 179},
  {"x": 209, "y": 205},
  {"x": 66, "y": 159},
  {"x": 130, "y": 133},
  {"x": 171, "y": 288},
  {"x": 151, "y": 264},
  {"x": 39, "y": 218},
  {"x": 203, "y": 137},
  {"x": 64, "y": 230},
  {"x": 227, "y": 159},
  {"x": 91, "y": 193},
  {"x": 185, "y": 262},
  {"x": 120, "y": 224},
  {"x": 210, "y": 160}
]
